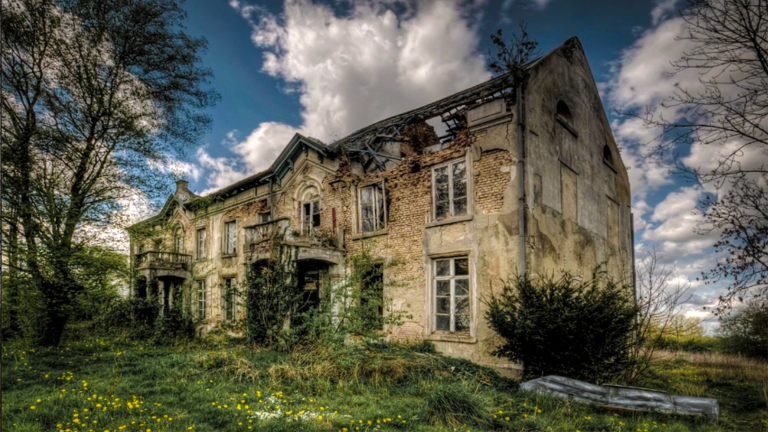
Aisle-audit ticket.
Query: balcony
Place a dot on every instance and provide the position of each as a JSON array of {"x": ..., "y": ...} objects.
[
  {"x": 163, "y": 260},
  {"x": 263, "y": 232}
]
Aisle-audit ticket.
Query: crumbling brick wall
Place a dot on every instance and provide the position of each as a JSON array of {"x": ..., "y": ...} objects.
[{"x": 491, "y": 178}]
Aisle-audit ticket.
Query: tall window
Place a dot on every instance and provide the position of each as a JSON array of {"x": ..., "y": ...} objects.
[
  {"x": 229, "y": 299},
  {"x": 230, "y": 238},
  {"x": 178, "y": 243},
  {"x": 310, "y": 217},
  {"x": 201, "y": 244},
  {"x": 449, "y": 189},
  {"x": 451, "y": 288},
  {"x": 201, "y": 299},
  {"x": 373, "y": 216}
]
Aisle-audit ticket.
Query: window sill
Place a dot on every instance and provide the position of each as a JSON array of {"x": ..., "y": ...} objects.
[
  {"x": 200, "y": 260},
  {"x": 234, "y": 255},
  {"x": 457, "y": 219},
  {"x": 448, "y": 337},
  {"x": 608, "y": 164},
  {"x": 385, "y": 231}
]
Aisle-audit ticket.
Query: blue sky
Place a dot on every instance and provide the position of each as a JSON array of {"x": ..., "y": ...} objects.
[{"x": 327, "y": 68}]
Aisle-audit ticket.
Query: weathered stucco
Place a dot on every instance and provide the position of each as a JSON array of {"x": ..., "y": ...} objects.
[{"x": 577, "y": 204}]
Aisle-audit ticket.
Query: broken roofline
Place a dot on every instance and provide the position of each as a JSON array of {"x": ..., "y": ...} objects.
[{"x": 389, "y": 128}]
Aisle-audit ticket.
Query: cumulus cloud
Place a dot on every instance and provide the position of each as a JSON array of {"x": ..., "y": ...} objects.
[{"x": 354, "y": 69}]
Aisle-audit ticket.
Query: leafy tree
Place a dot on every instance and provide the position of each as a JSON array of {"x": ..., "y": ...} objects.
[
  {"x": 746, "y": 332},
  {"x": 741, "y": 217},
  {"x": 582, "y": 330},
  {"x": 94, "y": 95},
  {"x": 727, "y": 109}
]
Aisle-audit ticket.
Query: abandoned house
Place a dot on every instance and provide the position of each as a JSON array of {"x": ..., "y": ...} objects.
[{"x": 518, "y": 181}]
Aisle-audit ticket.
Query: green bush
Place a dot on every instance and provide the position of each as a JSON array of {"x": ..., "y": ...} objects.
[
  {"x": 746, "y": 331},
  {"x": 580, "y": 330}
]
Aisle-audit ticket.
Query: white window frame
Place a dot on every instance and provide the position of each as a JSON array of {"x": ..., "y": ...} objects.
[
  {"x": 201, "y": 243},
  {"x": 375, "y": 210},
  {"x": 467, "y": 179},
  {"x": 228, "y": 247},
  {"x": 306, "y": 222},
  {"x": 201, "y": 300},
  {"x": 452, "y": 277}
]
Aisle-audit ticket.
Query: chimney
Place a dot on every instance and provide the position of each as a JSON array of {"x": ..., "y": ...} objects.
[{"x": 182, "y": 190}]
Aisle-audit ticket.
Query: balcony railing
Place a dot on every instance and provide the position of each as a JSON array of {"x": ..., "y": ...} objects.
[
  {"x": 264, "y": 231},
  {"x": 169, "y": 260}
]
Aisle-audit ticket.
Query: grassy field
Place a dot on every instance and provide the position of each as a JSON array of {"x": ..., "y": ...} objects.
[{"x": 107, "y": 386}]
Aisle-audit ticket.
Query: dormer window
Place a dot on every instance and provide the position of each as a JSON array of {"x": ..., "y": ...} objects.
[{"x": 310, "y": 217}]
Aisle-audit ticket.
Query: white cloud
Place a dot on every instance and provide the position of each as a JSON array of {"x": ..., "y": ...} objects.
[
  {"x": 662, "y": 10},
  {"x": 354, "y": 69}
]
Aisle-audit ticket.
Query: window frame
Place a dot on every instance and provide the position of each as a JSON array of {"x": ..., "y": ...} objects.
[
  {"x": 229, "y": 300},
  {"x": 469, "y": 188},
  {"x": 201, "y": 299},
  {"x": 382, "y": 185},
  {"x": 308, "y": 223},
  {"x": 451, "y": 277},
  {"x": 226, "y": 250},
  {"x": 201, "y": 245},
  {"x": 178, "y": 242}
]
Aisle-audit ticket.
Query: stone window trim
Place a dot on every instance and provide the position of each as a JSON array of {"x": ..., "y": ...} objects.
[
  {"x": 383, "y": 212},
  {"x": 228, "y": 240},
  {"x": 309, "y": 211},
  {"x": 432, "y": 278},
  {"x": 468, "y": 197}
]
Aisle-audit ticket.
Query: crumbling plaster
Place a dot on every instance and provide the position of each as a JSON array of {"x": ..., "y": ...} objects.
[{"x": 577, "y": 206}]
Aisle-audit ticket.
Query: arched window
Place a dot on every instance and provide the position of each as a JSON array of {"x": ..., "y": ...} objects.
[
  {"x": 178, "y": 240},
  {"x": 562, "y": 109},
  {"x": 607, "y": 155}
]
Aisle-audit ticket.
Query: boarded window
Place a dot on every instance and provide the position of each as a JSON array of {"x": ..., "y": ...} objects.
[
  {"x": 372, "y": 208},
  {"x": 201, "y": 244},
  {"x": 449, "y": 193},
  {"x": 451, "y": 293},
  {"x": 568, "y": 193},
  {"x": 230, "y": 238},
  {"x": 201, "y": 299}
]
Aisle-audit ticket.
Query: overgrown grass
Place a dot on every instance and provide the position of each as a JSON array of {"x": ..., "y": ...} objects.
[{"x": 105, "y": 385}]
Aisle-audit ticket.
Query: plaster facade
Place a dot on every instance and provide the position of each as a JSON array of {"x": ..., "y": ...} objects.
[{"x": 575, "y": 198}]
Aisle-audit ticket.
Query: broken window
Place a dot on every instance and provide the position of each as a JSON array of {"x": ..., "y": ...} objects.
[
  {"x": 451, "y": 288},
  {"x": 450, "y": 189},
  {"x": 310, "y": 217},
  {"x": 229, "y": 299},
  {"x": 201, "y": 243},
  {"x": 372, "y": 209},
  {"x": 201, "y": 299},
  {"x": 230, "y": 238}
]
